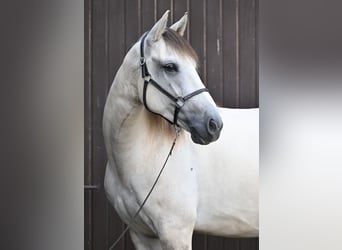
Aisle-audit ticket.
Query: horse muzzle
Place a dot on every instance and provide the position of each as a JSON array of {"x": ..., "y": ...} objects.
[{"x": 206, "y": 132}]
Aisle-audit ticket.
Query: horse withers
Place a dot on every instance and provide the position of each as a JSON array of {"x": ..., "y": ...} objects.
[{"x": 210, "y": 183}]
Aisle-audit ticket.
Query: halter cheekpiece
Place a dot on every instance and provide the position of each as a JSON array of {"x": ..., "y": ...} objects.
[{"x": 179, "y": 100}]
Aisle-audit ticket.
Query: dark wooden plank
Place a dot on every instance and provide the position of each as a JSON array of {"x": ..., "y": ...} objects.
[
  {"x": 162, "y": 6},
  {"x": 249, "y": 244},
  {"x": 216, "y": 243},
  {"x": 230, "y": 83},
  {"x": 116, "y": 36},
  {"x": 214, "y": 50},
  {"x": 221, "y": 243},
  {"x": 257, "y": 243},
  {"x": 197, "y": 29},
  {"x": 100, "y": 82},
  {"x": 88, "y": 241},
  {"x": 132, "y": 23},
  {"x": 232, "y": 244},
  {"x": 148, "y": 15},
  {"x": 257, "y": 56},
  {"x": 247, "y": 50},
  {"x": 199, "y": 241},
  {"x": 179, "y": 8}
]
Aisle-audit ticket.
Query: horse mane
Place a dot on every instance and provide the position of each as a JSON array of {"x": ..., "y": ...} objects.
[{"x": 179, "y": 44}]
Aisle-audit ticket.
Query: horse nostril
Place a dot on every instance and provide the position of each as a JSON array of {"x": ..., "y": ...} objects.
[{"x": 212, "y": 126}]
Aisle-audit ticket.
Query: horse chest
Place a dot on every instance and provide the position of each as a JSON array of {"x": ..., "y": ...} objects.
[{"x": 137, "y": 169}]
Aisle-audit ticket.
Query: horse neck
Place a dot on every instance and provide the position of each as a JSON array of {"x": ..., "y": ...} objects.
[{"x": 125, "y": 115}]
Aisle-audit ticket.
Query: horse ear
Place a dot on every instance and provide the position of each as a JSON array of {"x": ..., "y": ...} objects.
[
  {"x": 159, "y": 28},
  {"x": 180, "y": 26}
]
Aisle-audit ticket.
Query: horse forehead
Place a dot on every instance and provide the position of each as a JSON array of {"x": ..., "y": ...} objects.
[{"x": 165, "y": 52}]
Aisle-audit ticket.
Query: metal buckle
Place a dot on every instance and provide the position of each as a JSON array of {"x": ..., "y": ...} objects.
[
  {"x": 142, "y": 61},
  {"x": 180, "y": 102},
  {"x": 177, "y": 130}
]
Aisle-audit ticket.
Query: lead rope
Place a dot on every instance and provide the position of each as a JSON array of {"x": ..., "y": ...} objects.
[{"x": 177, "y": 130}]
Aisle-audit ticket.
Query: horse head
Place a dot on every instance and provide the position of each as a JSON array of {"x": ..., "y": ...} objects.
[{"x": 177, "y": 92}]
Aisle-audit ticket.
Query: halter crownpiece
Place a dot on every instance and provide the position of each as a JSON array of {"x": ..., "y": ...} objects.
[{"x": 179, "y": 100}]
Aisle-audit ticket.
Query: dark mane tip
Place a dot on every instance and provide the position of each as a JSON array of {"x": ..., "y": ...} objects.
[{"x": 179, "y": 44}]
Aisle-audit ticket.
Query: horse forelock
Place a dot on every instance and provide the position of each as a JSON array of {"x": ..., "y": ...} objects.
[{"x": 179, "y": 44}]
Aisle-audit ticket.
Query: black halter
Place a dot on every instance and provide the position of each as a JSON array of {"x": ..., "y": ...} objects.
[{"x": 179, "y": 100}]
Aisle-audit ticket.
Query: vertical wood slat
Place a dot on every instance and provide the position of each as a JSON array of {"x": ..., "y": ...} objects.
[
  {"x": 199, "y": 241},
  {"x": 196, "y": 28},
  {"x": 233, "y": 244},
  {"x": 256, "y": 32},
  {"x": 132, "y": 23},
  {"x": 247, "y": 51},
  {"x": 215, "y": 242},
  {"x": 116, "y": 38},
  {"x": 162, "y": 6},
  {"x": 214, "y": 50},
  {"x": 147, "y": 14},
  {"x": 237, "y": 51},
  {"x": 247, "y": 244},
  {"x": 88, "y": 241},
  {"x": 230, "y": 83},
  {"x": 100, "y": 82},
  {"x": 180, "y": 7}
]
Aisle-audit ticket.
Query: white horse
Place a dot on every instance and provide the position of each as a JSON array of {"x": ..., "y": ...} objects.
[{"x": 207, "y": 188}]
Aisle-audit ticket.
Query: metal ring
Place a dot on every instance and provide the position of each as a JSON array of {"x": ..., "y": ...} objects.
[
  {"x": 147, "y": 78},
  {"x": 180, "y": 102},
  {"x": 142, "y": 61}
]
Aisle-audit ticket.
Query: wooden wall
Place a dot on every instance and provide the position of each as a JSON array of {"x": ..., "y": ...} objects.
[{"x": 222, "y": 32}]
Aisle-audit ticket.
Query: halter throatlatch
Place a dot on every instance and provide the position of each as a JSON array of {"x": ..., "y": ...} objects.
[{"x": 179, "y": 100}]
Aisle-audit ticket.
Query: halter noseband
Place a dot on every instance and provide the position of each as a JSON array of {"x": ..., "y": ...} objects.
[{"x": 179, "y": 100}]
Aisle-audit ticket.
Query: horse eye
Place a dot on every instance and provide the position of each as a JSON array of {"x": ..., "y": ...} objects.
[{"x": 170, "y": 67}]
